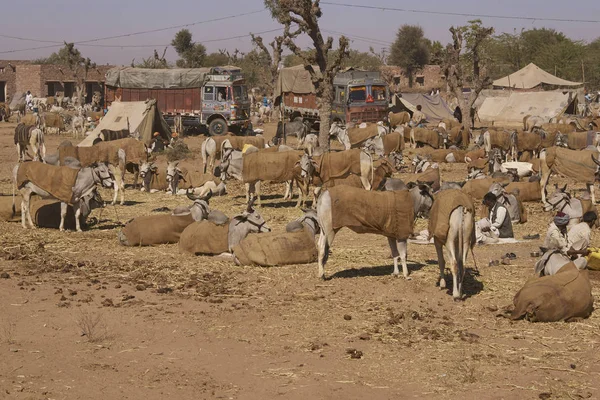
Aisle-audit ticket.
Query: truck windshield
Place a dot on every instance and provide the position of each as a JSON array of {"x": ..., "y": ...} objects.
[
  {"x": 239, "y": 93},
  {"x": 358, "y": 93},
  {"x": 378, "y": 92}
]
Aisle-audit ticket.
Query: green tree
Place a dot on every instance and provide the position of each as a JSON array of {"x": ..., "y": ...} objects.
[
  {"x": 215, "y": 60},
  {"x": 592, "y": 65},
  {"x": 191, "y": 54},
  {"x": 410, "y": 51},
  {"x": 153, "y": 62},
  {"x": 437, "y": 52},
  {"x": 362, "y": 60}
]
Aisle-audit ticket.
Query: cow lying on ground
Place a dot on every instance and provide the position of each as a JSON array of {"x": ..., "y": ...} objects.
[
  {"x": 295, "y": 246},
  {"x": 208, "y": 238},
  {"x": 390, "y": 214},
  {"x": 154, "y": 177},
  {"x": 565, "y": 296},
  {"x": 62, "y": 183},
  {"x": 355, "y": 137},
  {"x": 181, "y": 179}
]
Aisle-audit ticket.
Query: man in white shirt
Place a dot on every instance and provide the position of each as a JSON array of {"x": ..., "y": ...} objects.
[
  {"x": 579, "y": 238},
  {"x": 29, "y": 99},
  {"x": 497, "y": 225},
  {"x": 556, "y": 237}
]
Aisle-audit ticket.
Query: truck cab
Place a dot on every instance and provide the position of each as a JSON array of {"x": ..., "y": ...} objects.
[
  {"x": 225, "y": 100},
  {"x": 359, "y": 96}
]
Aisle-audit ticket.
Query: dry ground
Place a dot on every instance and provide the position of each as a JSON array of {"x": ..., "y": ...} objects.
[{"x": 84, "y": 318}]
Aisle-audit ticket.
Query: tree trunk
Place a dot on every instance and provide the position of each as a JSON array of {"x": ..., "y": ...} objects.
[
  {"x": 324, "y": 122},
  {"x": 409, "y": 74}
]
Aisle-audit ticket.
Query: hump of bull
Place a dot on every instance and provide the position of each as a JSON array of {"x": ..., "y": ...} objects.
[{"x": 560, "y": 297}]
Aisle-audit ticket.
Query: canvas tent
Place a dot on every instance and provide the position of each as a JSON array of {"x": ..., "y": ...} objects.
[
  {"x": 531, "y": 77},
  {"x": 510, "y": 110},
  {"x": 294, "y": 79},
  {"x": 137, "y": 116},
  {"x": 434, "y": 107}
]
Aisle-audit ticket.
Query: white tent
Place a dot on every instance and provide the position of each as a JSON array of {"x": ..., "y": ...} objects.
[
  {"x": 511, "y": 109},
  {"x": 530, "y": 77},
  {"x": 134, "y": 116}
]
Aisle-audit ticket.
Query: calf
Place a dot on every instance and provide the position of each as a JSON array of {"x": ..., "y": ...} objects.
[
  {"x": 150, "y": 230},
  {"x": 232, "y": 166},
  {"x": 181, "y": 179},
  {"x": 397, "y": 119}
]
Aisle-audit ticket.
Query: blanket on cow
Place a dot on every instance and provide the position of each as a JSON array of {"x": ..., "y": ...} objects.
[
  {"x": 57, "y": 181},
  {"x": 393, "y": 142},
  {"x": 195, "y": 179},
  {"x": 444, "y": 203},
  {"x": 238, "y": 142},
  {"x": 108, "y": 135},
  {"x": 149, "y": 230},
  {"x": 399, "y": 118},
  {"x": 29, "y": 120},
  {"x": 135, "y": 150},
  {"x": 574, "y": 164},
  {"x": 477, "y": 188},
  {"x": 269, "y": 166},
  {"x": 441, "y": 155},
  {"x": 157, "y": 180},
  {"x": 561, "y": 297},
  {"x": 205, "y": 237},
  {"x": 554, "y": 128},
  {"x": 338, "y": 164},
  {"x": 458, "y": 137},
  {"x": 276, "y": 248},
  {"x": 427, "y": 136},
  {"x": 382, "y": 169},
  {"x": 22, "y": 134},
  {"x": 500, "y": 139},
  {"x": 581, "y": 140},
  {"x": 528, "y": 191},
  {"x": 385, "y": 213},
  {"x": 358, "y": 135},
  {"x": 528, "y": 141},
  {"x": 475, "y": 154},
  {"x": 430, "y": 176},
  {"x": 54, "y": 120}
]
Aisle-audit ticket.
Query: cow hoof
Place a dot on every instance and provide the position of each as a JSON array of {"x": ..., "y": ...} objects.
[
  {"x": 122, "y": 203},
  {"x": 442, "y": 284},
  {"x": 408, "y": 278}
]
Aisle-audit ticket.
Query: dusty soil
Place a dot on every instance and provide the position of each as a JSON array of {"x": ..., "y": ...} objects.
[{"x": 85, "y": 318}]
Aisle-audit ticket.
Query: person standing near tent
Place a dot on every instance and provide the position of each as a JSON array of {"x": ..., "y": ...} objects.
[
  {"x": 458, "y": 114},
  {"x": 417, "y": 118},
  {"x": 158, "y": 145},
  {"x": 29, "y": 100}
]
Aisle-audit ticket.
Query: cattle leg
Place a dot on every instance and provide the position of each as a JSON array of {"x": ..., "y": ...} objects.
[
  {"x": 327, "y": 233},
  {"x": 439, "y": 249},
  {"x": 63, "y": 213},
  {"x": 25, "y": 197},
  {"x": 544, "y": 180},
  {"x": 288, "y": 190},
  {"x": 398, "y": 249},
  {"x": 590, "y": 188},
  {"x": 77, "y": 208},
  {"x": 19, "y": 152}
]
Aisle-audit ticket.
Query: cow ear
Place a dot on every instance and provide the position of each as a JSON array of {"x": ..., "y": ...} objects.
[
  {"x": 504, "y": 184},
  {"x": 564, "y": 188}
]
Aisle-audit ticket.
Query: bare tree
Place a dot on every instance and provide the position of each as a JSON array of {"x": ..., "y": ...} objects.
[
  {"x": 79, "y": 67},
  {"x": 471, "y": 39},
  {"x": 305, "y": 14},
  {"x": 153, "y": 62},
  {"x": 270, "y": 74}
]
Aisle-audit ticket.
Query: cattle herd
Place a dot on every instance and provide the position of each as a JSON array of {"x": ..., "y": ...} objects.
[{"x": 353, "y": 188}]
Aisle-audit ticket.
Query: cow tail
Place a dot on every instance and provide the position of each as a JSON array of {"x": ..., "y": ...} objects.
[
  {"x": 461, "y": 234},
  {"x": 472, "y": 244},
  {"x": 14, "y": 183},
  {"x": 372, "y": 171}
]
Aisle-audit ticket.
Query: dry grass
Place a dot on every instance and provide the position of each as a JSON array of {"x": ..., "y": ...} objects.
[
  {"x": 8, "y": 331},
  {"x": 92, "y": 326}
]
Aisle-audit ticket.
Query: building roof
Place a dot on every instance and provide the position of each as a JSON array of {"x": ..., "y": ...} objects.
[{"x": 530, "y": 77}]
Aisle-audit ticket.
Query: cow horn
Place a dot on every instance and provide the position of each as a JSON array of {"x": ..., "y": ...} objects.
[
  {"x": 250, "y": 204},
  {"x": 190, "y": 195},
  {"x": 208, "y": 195},
  {"x": 564, "y": 188},
  {"x": 595, "y": 161}
]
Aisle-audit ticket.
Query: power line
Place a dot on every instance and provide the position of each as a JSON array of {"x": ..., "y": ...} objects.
[
  {"x": 360, "y": 38},
  {"x": 457, "y": 14},
  {"x": 84, "y": 42}
]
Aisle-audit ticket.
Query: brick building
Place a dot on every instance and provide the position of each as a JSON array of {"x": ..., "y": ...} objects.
[
  {"x": 43, "y": 80},
  {"x": 430, "y": 77}
]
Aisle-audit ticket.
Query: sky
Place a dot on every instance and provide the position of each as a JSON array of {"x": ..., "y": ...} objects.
[{"x": 47, "y": 22}]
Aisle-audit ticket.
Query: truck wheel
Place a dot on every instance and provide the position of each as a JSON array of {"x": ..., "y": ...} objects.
[{"x": 217, "y": 127}]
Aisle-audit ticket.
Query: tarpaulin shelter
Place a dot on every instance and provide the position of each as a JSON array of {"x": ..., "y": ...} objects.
[
  {"x": 532, "y": 76},
  {"x": 136, "y": 116},
  {"x": 511, "y": 109},
  {"x": 147, "y": 78},
  {"x": 295, "y": 80},
  {"x": 433, "y": 106}
]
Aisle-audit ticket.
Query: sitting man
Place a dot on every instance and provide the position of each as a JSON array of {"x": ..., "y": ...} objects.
[
  {"x": 556, "y": 236},
  {"x": 417, "y": 118},
  {"x": 497, "y": 225},
  {"x": 579, "y": 239},
  {"x": 158, "y": 144}
]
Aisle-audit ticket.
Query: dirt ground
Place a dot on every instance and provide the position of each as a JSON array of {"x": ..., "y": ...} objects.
[{"x": 85, "y": 318}]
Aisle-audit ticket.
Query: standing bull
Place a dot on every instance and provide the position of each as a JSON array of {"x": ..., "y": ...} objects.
[
  {"x": 391, "y": 214},
  {"x": 66, "y": 184},
  {"x": 30, "y": 136},
  {"x": 452, "y": 225}
]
